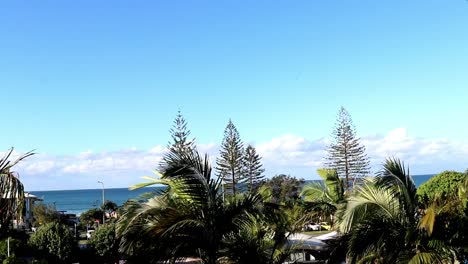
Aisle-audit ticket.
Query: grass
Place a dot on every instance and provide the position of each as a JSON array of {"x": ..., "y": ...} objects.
[{"x": 316, "y": 233}]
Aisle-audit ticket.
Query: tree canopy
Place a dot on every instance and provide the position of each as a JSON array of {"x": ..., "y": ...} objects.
[
  {"x": 54, "y": 242},
  {"x": 44, "y": 214},
  {"x": 285, "y": 189},
  {"x": 105, "y": 243},
  {"x": 442, "y": 186}
]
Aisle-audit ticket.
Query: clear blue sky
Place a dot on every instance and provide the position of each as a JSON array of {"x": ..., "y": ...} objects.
[{"x": 107, "y": 75}]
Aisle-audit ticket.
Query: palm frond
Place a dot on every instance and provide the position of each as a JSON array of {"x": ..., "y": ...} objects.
[
  {"x": 370, "y": 199},
  {"x": 11, "y": 189},
  {"x": 394, "y": 175},
  {"x": 428, "y": 220}
]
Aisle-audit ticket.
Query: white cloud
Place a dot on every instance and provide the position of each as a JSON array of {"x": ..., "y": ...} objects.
[
  {"x": 289, "y": 154},
  {"x": 40, "y": 167}
]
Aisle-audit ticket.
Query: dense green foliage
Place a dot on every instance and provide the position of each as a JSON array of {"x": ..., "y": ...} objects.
[
  {"x": 105, "y": 243},
  {"x": 13, "y": 260},
  {"x": 229, "y": 165},
  {"x": 383, "y": 224},
  {"x": 253, "y": 168},
  {"x": 285, "y": 189},
  {"x": 324, "y": 198},
  {"x": 15, "y": 246},
  {"x": 44, "y": 214},
  {"x": 442, "y": 186},
  {"x": 54, "y": 242},
  {"x": 91, "y": 216},
  {"x": 191, "y": 218},
  {"x": 10, "y": 187},
  {"x": 346, "y": 154}
]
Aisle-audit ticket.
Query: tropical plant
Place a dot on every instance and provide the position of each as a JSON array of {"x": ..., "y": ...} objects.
[
  {"x": 253, "y": 168},
  {"x": 54, "y": 242},
  {"x": 382, "y": 221},
  {"x": 325, "y": 198},
  {"x": 264, "y": 237},
  {"x": 189, "y": 218},
  {"x": 11, "y": 190},
  {"x": 229, "y": 164},
  {"x": 346, "y": 154},
  {"x": 446, "y": 219},
  {"x": 257, "y": 241}
]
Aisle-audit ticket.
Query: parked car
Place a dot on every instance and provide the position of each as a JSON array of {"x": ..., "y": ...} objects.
[{"x": 312, "y": 227}]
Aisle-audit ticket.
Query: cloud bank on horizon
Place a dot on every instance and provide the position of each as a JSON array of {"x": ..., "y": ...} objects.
[{"x": 287, "y": 154}]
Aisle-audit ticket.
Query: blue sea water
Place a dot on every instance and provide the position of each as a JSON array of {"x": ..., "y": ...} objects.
[
  {"x": 78, "y": 201},
  {"x": 420, "y": 179}
]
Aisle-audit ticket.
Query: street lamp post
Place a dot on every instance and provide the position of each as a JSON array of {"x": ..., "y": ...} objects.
[{"x": 103, "y": 211}]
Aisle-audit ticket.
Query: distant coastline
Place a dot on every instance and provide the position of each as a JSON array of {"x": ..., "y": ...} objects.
[{"x": 78, "y": 201}]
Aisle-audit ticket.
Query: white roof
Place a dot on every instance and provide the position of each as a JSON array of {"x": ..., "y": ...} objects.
[
  {"x": 304, "y": 241},
  {"x": 327, "y": 236}
]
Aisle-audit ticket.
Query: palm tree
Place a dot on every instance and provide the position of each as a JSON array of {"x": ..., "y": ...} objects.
[
  {"x": 382, "y": 222},
  {"x": 325, "y": 198},
  {"x": 258, "y": 241},
  {"x": 11, "y": 190},
  {"x": 263, "y": 237},
  {"x": 189, "y": 218}
]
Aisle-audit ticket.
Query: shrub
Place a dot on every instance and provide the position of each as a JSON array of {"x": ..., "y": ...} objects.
[
  {"x": 442, "y": 186},
  {"x": 12, "y": 260},
  {"x": 105, "y": 243},
  {"x": 54, "y": 242},
  {"x": 44, "y": 214},
  {"x": 15, "y": 245}
]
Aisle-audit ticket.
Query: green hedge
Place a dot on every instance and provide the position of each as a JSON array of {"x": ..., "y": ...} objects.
[{"x": 442, "y": 186}]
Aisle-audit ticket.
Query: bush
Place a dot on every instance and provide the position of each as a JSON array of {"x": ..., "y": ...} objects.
[
  {"x": 12, "y": 260},
  {"x": 44, "y": 214},
  {"x": 442, "y": 186},
  {"x": 15, "y": 245},
  {"x": 105, "y": 243},
  {"x": 54, "y": 242}
]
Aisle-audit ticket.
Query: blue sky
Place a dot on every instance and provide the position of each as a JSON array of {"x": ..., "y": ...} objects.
[{"x": 104, "y": 79}]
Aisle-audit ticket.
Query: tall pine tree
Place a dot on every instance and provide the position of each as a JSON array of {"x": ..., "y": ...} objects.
[
  {"x": 179, "y": 134},
  {"x": 180, "y": 144},
  {"x": 229, "y": 163},
  {"x": 346, "y": 154},
  {"x": 253, "y": 169}
]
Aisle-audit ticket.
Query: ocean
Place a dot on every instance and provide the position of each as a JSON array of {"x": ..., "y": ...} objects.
[{"x": 78, "y": 201}]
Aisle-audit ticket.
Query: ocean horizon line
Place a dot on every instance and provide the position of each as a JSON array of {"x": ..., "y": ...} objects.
[{"x": 158, "y": 185}]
